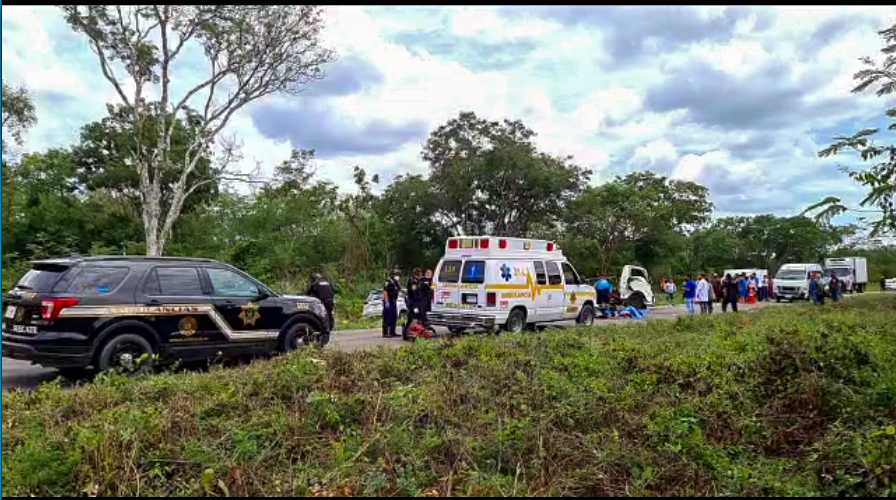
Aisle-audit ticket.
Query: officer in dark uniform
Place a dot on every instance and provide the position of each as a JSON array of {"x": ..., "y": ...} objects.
[
  {"x": 322, "y": 290},
  {"x": 415, "y": 300},
  {"x": 391, "y": 292},
  {"x": 426, "y": 283}
]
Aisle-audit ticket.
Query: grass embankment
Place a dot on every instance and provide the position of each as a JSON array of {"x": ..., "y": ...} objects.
[{"x": 784, "y": 401}]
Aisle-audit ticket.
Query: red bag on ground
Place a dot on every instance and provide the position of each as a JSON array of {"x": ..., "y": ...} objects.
[{"x": 417, "y": 330}]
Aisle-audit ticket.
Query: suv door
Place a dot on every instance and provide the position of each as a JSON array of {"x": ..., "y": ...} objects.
[
  {"x": 186, "y": 314},
  {"x": 249, "y": 310}
]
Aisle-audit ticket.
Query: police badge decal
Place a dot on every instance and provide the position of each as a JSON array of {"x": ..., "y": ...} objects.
[
  {"x": 250, "y": 314},
  {"x": 188, "y": 326}
]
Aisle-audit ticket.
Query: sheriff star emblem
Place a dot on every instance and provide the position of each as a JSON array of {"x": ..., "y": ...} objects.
[
  {"x": 188, "y": 326},
  {"x": 250, "y": 314}
]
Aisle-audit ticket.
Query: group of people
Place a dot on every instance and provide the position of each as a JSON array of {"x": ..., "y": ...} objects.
[
  {"x": 730, "y": 290},
  {"x": 418, "y": 299}
]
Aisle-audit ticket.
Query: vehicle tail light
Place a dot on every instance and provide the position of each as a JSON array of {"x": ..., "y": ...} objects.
[
  {"x": 491, "y": 299},
  {"x": 50, "y": 308},
  {"x": 550, "y": 246},
  {"x": 483, "y": 244},
  {"x": 453, "y": 244},
  {"x": 502, "y": 244}
]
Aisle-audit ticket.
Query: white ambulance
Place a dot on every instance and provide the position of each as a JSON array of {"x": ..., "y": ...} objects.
[{"x": 510, "y": 283}]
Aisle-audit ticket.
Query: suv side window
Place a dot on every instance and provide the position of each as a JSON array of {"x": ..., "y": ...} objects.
[
  {"x": 174, "y": 282},
  {"x": 554, "y": 276},
  {"x": 572, "y": 277},
  {"x": 97, "y": 280},
  {"x": 226, "y": 283}
]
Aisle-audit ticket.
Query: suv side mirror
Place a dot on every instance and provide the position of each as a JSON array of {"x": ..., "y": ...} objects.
[{"x": 263, "y": 294}]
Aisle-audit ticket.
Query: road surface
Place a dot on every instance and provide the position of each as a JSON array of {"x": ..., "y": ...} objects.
[{"x": 23, "y": 375}]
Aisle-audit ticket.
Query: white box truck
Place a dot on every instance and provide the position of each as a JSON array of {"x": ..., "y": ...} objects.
[{"x": 852, "y": 270}]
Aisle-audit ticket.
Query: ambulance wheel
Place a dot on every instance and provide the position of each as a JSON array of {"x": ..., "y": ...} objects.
[
  {"x": 516, "y": 322},
  {"x": 586, "y": 317}
]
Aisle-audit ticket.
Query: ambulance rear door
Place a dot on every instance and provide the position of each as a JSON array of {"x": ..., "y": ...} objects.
[{"x": 447, "y": 280}]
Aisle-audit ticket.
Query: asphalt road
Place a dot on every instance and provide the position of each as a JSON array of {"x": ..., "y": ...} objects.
[{"x": 23, "y": 375}]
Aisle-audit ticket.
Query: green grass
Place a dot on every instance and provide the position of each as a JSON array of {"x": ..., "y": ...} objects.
[{"x": 792, "y": 401}]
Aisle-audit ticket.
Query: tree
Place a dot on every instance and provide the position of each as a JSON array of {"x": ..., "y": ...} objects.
[
  {"x": 879, "y": 178},
  {"x": 251, "y": 51},
  {"x": 18, "y": 112},
  {"x": 103, "y": 160},
  {"x": 639, "y": 213},
  {"x": 491, "y": 179}
]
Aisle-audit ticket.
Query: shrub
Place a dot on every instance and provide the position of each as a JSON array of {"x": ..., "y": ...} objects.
[{"x": 786, "y": 401}]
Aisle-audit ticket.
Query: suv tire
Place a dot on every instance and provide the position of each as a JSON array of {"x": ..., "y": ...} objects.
[
  {"x": 302, "y": 334},
  {"x": 586, "y": 317},
  {"x": 130, "y": 353}
]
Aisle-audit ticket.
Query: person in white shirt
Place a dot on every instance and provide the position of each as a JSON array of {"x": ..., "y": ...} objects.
[
  {"x": 702, "y": 297},
  {"x": 670, "y": 291},
  {"x": 763, "y": 288}
]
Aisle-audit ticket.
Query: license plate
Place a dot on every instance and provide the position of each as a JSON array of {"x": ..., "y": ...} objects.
[
  {"x": 10, "y": 312},
  {"x": 25, "y": 329},
  {"x": 470, "y": 298}
]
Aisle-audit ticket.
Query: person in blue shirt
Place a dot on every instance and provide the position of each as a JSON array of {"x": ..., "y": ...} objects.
[
  {"x": 743, "y": 287},
  {"x": 604, "y": 289},
  {"x": 690, "y": 293}
]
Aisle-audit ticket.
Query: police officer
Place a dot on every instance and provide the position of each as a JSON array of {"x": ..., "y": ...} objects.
[
  {"x": 426, "y": 282},
  {"x": 416, "y": 302},
  {"x": 391, "y": 292},
  {"x": 322, "y": 290}
]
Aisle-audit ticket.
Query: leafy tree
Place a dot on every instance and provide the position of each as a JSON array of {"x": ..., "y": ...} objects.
[
  {"x": 18, "y": 112},
  {"x": 640, "y": 213},
  {"x": 491, "y": 178},
  {"x": 879, "y": 178},
  {"x": 103, "y": 158},
  {"x": 251, "y": 51}
]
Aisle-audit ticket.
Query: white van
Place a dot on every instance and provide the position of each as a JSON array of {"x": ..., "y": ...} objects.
[
  {"x": 511, "y": 283},
  {"x": 792, "y": 281}
]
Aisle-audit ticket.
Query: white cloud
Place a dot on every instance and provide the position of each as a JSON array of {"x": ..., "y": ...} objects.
[{"x": 559, "y": 71}]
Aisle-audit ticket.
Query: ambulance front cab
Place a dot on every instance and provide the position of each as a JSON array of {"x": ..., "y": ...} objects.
[{"x": 488, "y": 282}]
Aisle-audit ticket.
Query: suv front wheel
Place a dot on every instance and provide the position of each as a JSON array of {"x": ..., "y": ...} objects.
[
  {"x": 127, "y": 353},
  {"x": 302, "y": 334}
]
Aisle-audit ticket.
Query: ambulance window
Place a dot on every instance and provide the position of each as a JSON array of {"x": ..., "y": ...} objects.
[
  {"x": 449, "y": 272},
  {"x": 540, "y": 275},
  {"x": 572, "y": 278},
  {"x": 554, "y": 276},
  {"x": 474, "y": 272}
]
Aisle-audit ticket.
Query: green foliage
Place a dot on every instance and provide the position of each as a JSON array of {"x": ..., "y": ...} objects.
[
  {"x": 880, "y": 177},
  {"x": 786, "y": 402},
  {"x": 18, "y": 112}
]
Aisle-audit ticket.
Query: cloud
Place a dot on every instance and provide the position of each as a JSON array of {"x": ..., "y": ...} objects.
[{"x": 737, "y": 98}]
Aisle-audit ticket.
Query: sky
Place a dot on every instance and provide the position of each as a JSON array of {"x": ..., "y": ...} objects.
[{"x": 739, "y": 99}]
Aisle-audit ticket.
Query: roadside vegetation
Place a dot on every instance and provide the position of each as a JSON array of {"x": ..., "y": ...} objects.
[{"x": 794, "y": 401}]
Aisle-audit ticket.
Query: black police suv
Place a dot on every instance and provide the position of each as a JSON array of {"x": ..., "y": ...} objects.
[{"x": 128, "y": 313}]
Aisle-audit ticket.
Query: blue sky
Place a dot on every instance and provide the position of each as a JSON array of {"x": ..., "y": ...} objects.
[{"x": 737, "y": 98}]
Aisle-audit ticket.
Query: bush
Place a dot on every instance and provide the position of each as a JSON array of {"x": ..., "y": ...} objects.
[{"x": 786, "y": 401}]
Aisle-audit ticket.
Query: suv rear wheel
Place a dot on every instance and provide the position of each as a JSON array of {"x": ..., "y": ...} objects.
[
  {"x": 128, "y": 353},
  {"x": 302, "y": 334}
]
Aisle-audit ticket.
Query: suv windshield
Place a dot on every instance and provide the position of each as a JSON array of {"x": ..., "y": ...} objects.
[
  {"x": 791, "y": 274},
  {"x": 41, "y": 279}
]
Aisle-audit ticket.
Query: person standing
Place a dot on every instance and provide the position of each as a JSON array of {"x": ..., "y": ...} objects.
[
  {"x": 322, "y": 290},
  {"x": 716, "y": 288},
  {"x": 883, "y": 284},
  {"x": 742, "y": 288},
  {"x": 753, "y": 288},
  {"x": 702, "y": 296},
  {"x": 414, "y": 299},
  {"x": 670, "y": 290},
  {"x": 816, "y": 290},
  {"x": 763, "y": 288},
  {"x": 426, "y": 283},
  {"x": 730, "y": 293},
  {"x": 391, "y": 292},
  {"x": 690, "y": 292},
  {"x": 835, "y": 286}
]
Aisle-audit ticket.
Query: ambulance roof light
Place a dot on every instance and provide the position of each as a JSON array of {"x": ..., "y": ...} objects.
[
  {"x": 453, "y": 243},
  {"x": 502, "y": 244},
  {"x": 550, "y": 246},
  {"x": 483, "y": 244}
]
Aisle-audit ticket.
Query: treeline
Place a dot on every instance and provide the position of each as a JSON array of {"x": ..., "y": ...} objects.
[{"x": 485, "y": 178}]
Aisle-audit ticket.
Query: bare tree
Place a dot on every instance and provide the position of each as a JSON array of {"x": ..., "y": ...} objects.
[{"x": 251, "y": 51}]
